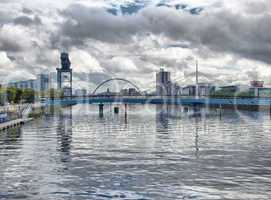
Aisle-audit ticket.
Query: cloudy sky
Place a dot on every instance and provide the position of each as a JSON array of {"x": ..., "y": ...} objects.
[{"x": 133, "y": 38}]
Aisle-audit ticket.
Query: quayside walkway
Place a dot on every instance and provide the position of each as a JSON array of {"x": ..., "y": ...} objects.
[{"x": 13, "y": 123}]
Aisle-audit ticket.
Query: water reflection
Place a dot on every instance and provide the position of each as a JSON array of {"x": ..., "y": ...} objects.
[
  {"x": 64, "y": 120},
  {"x": 162, "y": 118},
  {"x": 196, "y": 125},
  {"x": 163, "y": 152},
  {"x": 10, "y": 137}
]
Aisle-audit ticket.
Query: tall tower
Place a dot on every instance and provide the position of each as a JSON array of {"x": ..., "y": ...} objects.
[
  {"x": 163, "y": 83},
  {"x": 197, "y": 79},
  {"x": 64, "y": 76}
]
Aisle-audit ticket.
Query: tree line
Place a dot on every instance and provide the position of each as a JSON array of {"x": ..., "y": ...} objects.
[{"x": 15, "y": 95}]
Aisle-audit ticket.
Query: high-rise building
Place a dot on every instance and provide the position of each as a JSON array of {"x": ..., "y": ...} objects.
[
  {"x": 129, "y": 92},
  {"x": 43, "y": 82},
  {"x": 53, "y": 80},
  {"x": 80, "y": 92},
  {"x": 204, "y": 89},
  {"x": 163, "y": 83}
]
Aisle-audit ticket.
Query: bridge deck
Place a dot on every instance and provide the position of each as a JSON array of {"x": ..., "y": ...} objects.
[{"x": 167, "y": 100}]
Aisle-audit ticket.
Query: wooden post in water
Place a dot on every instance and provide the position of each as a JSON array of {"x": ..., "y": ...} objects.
[
  {"x": 220, "y": 111},
  {"x": 125, "y": 113},
  {"x": 125, "y": 107},
  {"x": 116, "y": 110},
  {"x": 101, "y": 110}
]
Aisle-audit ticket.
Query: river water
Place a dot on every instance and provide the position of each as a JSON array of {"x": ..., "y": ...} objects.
[{"x": 154, "y": 152}]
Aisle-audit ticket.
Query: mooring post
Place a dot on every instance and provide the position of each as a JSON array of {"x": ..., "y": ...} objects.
[
  {"x": 116, "y": 110},
  {"x": 125, "y": 113},
  {"x": 125, "y": 107},
  {"x": 220, "y": 111},
  {"x": 101, "y": 110}
]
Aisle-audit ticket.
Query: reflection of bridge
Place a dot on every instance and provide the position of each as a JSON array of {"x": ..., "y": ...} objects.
[
  {"x": 115, "y": 79},
  {"x": 162, "y": 100}
]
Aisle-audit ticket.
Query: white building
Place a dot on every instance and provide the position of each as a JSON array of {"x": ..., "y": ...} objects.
[
  {"x": 53, "y": 80},
  {"x": 80, "y": 92},
  {"x": 235, "y": 88},
  {"x": 27, "y": 84},
  {"x": 204, "y": 89},
  {"x": 42, "y": 83}
]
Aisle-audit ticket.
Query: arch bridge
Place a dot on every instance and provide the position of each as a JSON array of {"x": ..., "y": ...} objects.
[{"x": 116, "y": 79}]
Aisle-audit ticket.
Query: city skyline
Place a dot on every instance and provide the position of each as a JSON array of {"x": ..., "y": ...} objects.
[
  {"x": 135, "y": 99},
  {"x": 137, "y": 45}
]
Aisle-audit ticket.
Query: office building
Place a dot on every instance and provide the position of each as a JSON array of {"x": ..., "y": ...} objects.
[
  {"x": 27, "y": 84},
  {"x": 234, "y": 88},
  {"x": 163, "y": 83},
  {"x": 43, "y": 82},
  {"x": 204, "y": 89},
  {"x": 53, "y": 80},
  {"x": 129, "y": 92},
  {"x": 80, "y": 92}
]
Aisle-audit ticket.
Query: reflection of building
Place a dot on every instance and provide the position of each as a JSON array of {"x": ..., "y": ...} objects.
[
  {"x": 80, "y": 92},
  {"x": 163, "y": 83},
  {"x": 64, "y": 132},
  {"x": 257, "y": 84},
  {"x": 189, "y": 90},
  {"x": 234, "y": 88},
  {"x": 164, "y": 86},
  {"x": 129, "y": 92},
  {"x": 261, "y": 91},
  {"x": 107, "y": 93},
  {"x": 175, "y": 89},
  {"x": 64, "y": 75},
  {"x": 204, "y": 89},
  {"x": 258, "y": 90},
  {"x": 28, "y": 84},
  {"x": 43, "y": 82},
  {"x": 162, "y": 120},
  {"x": 53, "y": 80}
]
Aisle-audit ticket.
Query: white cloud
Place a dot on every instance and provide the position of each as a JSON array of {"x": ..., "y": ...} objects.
[
  {"x": 122, "y": 65},
  {"x": 83, "y": 62},
  {"x": 228, "y": 37},
  {"x": 5, "y": 62}
]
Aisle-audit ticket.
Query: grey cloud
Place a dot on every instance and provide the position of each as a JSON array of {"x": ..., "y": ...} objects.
[
  {"x": 27, "y": 21},
  {"x": 213, "y": 32},
  {"x": 82, "y": 22},
  {"x": 9, "y": 46},
  {"x": 253, "y": 75},
  {"x": 219, "y": 31},
  {"x": 257, "y": 7},
  {"x": 4, "y": 18},
  {"x": 95, "y": 78},
  {"x": 27, "y": 11}
]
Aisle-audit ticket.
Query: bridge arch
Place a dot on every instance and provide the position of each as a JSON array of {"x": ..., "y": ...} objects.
[{"x": 116, "y": 79}]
